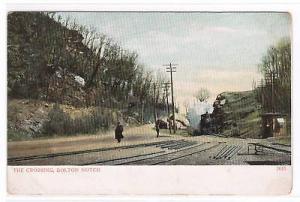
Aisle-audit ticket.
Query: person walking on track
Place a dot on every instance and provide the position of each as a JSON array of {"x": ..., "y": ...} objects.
[
  {"x": 118, "y": 132},
  {"x": 157, "y": 127}
]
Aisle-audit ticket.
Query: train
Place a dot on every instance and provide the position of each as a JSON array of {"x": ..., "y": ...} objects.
[
  {"x": 207, "y": 124},
  {"x": 210, "y": 123}
]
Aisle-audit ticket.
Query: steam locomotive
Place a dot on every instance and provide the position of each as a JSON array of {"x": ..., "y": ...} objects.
[
  {"x": 207, "y": 125},
  {"x": 210, "y": 123}
]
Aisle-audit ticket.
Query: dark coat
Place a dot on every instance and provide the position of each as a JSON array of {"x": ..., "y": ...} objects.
[
  {"x": 157, "y": 126},
  {"x": 118, "y": 132}
]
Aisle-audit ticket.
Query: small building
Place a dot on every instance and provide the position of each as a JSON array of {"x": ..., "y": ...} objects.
[{"x": 274, "y": 125}]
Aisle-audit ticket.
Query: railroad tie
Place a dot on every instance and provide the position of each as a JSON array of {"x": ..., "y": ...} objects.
[
  {"x": 224, "y": 152},
  {"x": 221, "y": 150},
  {"x": 230, "y": 151},
  {"x": 233, "y": 153}
]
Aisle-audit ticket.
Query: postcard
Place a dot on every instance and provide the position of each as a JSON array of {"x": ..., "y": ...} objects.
[{"x": 149, "y": 102}]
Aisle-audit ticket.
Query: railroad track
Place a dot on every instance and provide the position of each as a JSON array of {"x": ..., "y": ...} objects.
[
  {"x": 52, "y": 155},
  {"x": 227, "y": 152},
  {"x": 180, "y": 156},
  {"x": 168, "y": 144},
  {"x": 275, "y": 149},
  {"x": 158, "y": 157},
  {"x": 280, "y": 144}
]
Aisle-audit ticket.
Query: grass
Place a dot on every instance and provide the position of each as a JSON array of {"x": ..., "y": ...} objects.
[
  {"x": 242, "y": 108},
  {"x": 14, "y": 135}
]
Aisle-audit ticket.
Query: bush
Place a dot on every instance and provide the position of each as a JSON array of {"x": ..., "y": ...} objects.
[
  {"x": 17, "y": 135},
  {"x": 60, "y": 122}
]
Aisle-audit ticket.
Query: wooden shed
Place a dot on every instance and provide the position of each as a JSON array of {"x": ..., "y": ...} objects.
[{"x": 274, "y": 125}]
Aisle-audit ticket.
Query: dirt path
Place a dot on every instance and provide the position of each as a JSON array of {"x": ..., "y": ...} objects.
[{"x": 132, "y": 135}]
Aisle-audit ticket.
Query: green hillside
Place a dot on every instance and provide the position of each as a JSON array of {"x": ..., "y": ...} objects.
[
  {"x": 54, "y": 61},
  {"x": 241, "y": 108}
]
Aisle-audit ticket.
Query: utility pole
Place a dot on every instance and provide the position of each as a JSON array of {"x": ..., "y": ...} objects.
[
  {"x": 154, "y": 102},
  {"x": 142, "y": 113},
  {"x": 272, "y": 80},
  {"x": 262, "y": 91},
  {"x": 172, "y": 68},
  {"x": 166, "y": 89}
]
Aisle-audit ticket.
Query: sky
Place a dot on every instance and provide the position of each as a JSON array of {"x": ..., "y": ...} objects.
[{"x": 217, "y": 51}]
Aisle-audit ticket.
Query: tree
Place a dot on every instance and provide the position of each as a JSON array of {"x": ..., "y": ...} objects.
[
  {"x": 276, "y": 69},
  {"x": 186, "y": 105},
  {"x": 202, "y": 95},
  {"x": 158, "y": 94},
  {"x": 46, "y": 51}
]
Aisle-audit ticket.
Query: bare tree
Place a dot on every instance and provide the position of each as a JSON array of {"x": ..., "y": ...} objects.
[
  {"x": 186, "y": 105},
  {"x": 202, "y": 95}
]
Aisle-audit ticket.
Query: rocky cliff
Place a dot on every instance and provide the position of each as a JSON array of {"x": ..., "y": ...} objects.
[{"x": 238, "y": 109}]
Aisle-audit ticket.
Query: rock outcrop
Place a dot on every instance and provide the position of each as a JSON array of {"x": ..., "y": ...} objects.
[{"x": 237, "y": 110}]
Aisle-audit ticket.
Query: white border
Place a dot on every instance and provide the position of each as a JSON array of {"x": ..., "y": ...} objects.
[
  {"x": 153, "y": 180},
  {"x": 291, "y": 6}
]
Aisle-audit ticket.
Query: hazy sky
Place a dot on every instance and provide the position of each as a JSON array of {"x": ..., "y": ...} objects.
[{"x": 218, "y": 51}]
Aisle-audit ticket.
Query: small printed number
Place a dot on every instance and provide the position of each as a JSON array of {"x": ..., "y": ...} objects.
[{"x": 281, "y": 168}]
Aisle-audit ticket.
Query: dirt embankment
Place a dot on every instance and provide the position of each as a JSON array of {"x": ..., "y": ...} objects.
[{"x": 26, "y": 118}]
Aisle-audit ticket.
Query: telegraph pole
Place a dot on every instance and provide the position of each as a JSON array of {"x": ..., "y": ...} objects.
[
  {"x": 154, "y": 102},
  {"x": 271, "y": 78},
  {"x": 262, "y": 94},
  {"x": 166, "y": 89},
  {"x": 172, "y": 68}
]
